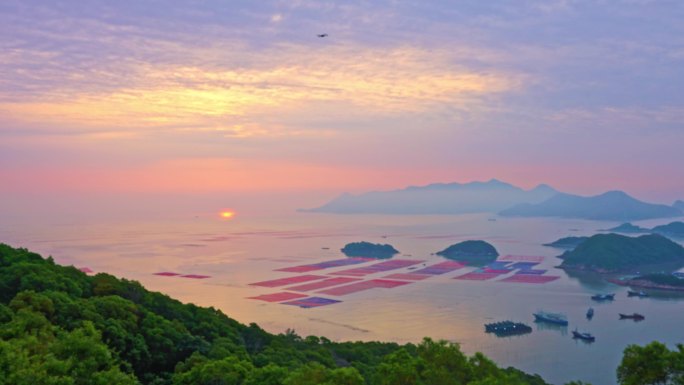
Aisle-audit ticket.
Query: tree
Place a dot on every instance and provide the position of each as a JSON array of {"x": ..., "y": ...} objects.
[
  {"x": 443, "y": 363},
  {"x": 228, "y": 371},
  {"x": 268, "y": 375},
  {"x": 399, "y": 368},
  {"x": 677, "y": 365},
  {"x": 311, "y": 374},
  {"x": 345, "y": 376},
  {"x": 74, "y": 358},
  {"x": 647, "y": 365}
]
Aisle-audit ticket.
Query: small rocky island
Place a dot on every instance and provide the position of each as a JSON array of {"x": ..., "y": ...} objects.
[
  {"x": 567, "y": 242},
  {"x": 627, "y": 228},
  {"x": 369, "y": 250},
  {"x": 471, "y": 252},
  {"x": 612, "y": 253}
]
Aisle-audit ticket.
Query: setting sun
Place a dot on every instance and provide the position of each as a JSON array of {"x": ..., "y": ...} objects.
[{"x": 227, "y": 214}]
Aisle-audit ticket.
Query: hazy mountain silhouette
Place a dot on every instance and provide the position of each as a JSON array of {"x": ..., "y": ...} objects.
[
  {"x": 438, "y": 198},
  {"x": 612, "y": 205},
  {"x": 627, "y": 228},
  {"x": 674, "y": 229}
]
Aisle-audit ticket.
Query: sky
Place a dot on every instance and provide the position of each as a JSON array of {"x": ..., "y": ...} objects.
[{"x": 242, "y": 97}]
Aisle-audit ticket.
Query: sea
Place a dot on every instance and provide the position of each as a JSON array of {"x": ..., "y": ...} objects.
[{"x": 242, "y": 250}]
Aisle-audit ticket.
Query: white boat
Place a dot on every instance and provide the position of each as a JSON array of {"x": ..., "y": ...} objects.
[{"x": 554, "y": 318}]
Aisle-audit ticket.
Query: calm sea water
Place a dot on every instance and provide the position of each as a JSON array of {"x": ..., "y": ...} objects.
[{"x": 243, "y": 250}]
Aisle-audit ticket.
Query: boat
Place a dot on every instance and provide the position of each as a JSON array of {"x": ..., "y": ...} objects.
[
  {"x": 583, "y": 336},
  {"x": 554, "y": 318},
  {"x": 603, "y": 297},
  {"x": 590, "y": 313},
  {"x": 632, "y": 293},
  {"x": 634, "y": 316},
  {"x": 507, "y": 328}
]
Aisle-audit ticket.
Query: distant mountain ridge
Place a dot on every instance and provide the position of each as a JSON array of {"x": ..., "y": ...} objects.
[
  {"x": 674, "y": 229},
  {"x": 438, "y": 198},
  {"x": 495, "y": 196},
  {"x": 610, "y": 206},
  {"x": 679, "y": 205},
  {"x": 627, "y": 228}
]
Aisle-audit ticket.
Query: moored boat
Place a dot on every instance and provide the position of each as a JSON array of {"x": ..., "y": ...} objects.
[
  {"x": 554, "y": 318},
  {"x": 634, "y": 316},
  {"x": 583, "y": 336},
  {"x": 590, "y": 313},
  {"x": 603, "y": 297},
  {"x": 632, "y": 293}
]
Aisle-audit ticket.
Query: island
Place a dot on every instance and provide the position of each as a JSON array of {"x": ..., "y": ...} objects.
[
  {"x": 611, "y": 253},
  {"x": 472, "y": 252},
  {"x": 679, "y": 205},
  {"x": 567, "y": 242},
  {"x": 674, "y": 229},
  {"x": 609, "y": 206},
  {"x": 627, "y": 228},
  {"x": 369, "y": 250}
]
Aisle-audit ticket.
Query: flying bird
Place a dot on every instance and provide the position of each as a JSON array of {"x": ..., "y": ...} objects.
[{"x": 322, "y": 35}]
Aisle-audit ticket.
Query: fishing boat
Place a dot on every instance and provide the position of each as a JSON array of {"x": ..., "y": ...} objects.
[
  {"x": 634, "y": 316},
  {"x": 632, "y": 293},
  {"x": 583, "y": 336},
  {"x": 603, "y": 297},
  {"x": 554, "y": 318},
  {"x": 590, "y": 313},
  {"x": 507, "y": 328}
]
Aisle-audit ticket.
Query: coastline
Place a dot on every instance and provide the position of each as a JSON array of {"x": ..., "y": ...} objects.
[
  {"x": 613, "y": 277},
  {"x": 642, "y": 283}
]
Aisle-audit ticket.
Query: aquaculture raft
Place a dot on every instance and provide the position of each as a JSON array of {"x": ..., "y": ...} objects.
[{"x": 507, "y": 328}]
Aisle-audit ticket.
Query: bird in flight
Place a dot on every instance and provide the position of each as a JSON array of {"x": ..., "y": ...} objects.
[{"x": 322, "y": 35}]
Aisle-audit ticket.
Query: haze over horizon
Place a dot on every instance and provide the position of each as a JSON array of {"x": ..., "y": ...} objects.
[{"x": 185, "y": 97}]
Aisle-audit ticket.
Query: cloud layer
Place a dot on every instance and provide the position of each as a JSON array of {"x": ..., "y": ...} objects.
[{"x": 410, "y": 90}]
